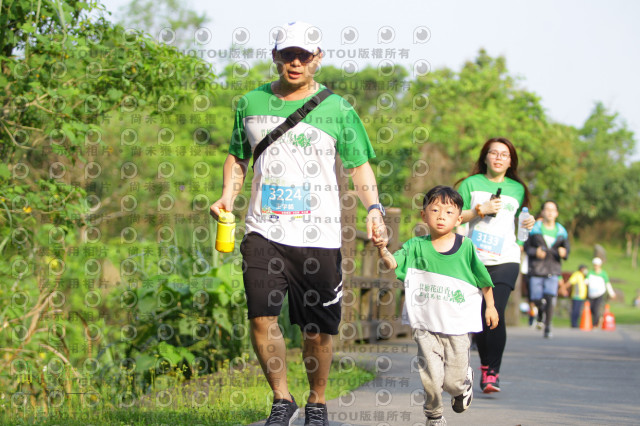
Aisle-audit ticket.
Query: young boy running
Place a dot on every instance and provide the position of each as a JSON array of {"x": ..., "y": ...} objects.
[{"x": 444, "y": 283}]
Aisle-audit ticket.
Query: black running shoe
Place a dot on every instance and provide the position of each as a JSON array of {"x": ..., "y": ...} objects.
[
  {"x": 283, "y": 412},
  {"x": 461, "y": 402},
  {"x": 316, "y": 414}
]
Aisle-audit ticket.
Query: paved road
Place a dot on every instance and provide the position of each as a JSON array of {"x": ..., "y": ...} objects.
[{"x": 575, "y": 378}]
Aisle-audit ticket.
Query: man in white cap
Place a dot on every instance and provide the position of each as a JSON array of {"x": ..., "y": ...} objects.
[
  {"x": 598, "y": 285},
  {"x": 293, "y": 238}
]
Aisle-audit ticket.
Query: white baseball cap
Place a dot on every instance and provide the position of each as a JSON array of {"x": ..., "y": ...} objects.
[
  {"x": 298, "y": 34},
  {"x": 597, "y": 261}
]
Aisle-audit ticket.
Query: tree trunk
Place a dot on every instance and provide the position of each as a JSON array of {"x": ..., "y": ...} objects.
[
  {"x": 599, "y": 251},
  {"x": 572, "y": 228},
  {"x": 629, "y": 237},
  {"x": 634, "y": 253}
]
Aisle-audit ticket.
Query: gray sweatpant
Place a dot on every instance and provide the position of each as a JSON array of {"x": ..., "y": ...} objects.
[{"x": 443, "y": 361}]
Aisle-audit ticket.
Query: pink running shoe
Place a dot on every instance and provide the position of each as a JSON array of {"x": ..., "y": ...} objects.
[
  {"x": 492, "y": 382},
  {"x": 483, "y": 379}
]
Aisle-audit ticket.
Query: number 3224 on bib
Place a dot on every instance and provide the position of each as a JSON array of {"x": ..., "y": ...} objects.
[{"x": 285, "y": 200}]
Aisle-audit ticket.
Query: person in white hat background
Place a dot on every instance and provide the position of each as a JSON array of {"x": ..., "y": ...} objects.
[
  {"x": 598, "y": 286},
  {"x": 293, "y": 230}
]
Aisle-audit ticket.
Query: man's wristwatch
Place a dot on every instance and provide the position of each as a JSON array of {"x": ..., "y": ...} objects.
[{"x": 377, "y": 206}]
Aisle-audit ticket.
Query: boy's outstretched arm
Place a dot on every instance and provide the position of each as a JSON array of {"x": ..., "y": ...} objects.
[
  {"x": 490, "y": 314},
  {"x": 387, "y": 258},
  {"x": 380, "y": 241}
]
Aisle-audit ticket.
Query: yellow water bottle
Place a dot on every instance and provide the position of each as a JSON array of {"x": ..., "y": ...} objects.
[{"x": 225, "y": 234}]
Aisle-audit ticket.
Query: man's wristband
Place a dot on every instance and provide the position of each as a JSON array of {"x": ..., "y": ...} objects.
[
  {"x": 478, "y": 211},
  {"x": 377, "y": 206}
]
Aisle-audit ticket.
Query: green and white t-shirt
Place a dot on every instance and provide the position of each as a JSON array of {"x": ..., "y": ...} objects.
[
  {"x": 494, "y": 237},
  {"x": 295, "y": 195},
  {"x": 442, "y": 291},
  {"x": 597, "y": 283}
]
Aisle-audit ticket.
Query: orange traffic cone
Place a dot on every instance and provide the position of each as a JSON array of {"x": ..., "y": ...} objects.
[
  {"x": 586, "y": 322},
  {"x": 608, "y": 319}
]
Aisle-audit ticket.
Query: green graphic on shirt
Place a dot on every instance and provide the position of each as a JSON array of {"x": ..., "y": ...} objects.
[
  {"x": 458, "y": 297},
  {"x": 300, "y": 140}
]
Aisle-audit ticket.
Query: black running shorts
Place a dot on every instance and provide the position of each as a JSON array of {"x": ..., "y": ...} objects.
[{"x": 311, "y": 276}]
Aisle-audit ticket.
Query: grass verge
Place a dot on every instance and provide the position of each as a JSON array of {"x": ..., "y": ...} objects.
[{"x": 232, "y": 397}]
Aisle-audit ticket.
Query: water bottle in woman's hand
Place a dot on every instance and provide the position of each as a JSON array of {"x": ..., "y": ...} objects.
[{"x": 523, "y": 233}]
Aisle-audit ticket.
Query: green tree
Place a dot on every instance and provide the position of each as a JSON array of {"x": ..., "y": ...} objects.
[
  {"x": 603, "y": 149},
  {"x": 630, "y": 212},
  {"x": 66, "y": 72},
  {"x": 169, "y": 21},
  {"x": 481, "y": 101}
]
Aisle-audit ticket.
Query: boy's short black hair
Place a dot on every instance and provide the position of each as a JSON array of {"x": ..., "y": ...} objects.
[{"x": 445, "y": 194}]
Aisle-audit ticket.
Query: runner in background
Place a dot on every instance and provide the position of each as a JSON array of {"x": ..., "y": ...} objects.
[
  {"x": 547, "y": 246},
  {"x": 492, "y": 226},
  {"x": 578, "y": 284},
  {"x": 599, "y": 287}
]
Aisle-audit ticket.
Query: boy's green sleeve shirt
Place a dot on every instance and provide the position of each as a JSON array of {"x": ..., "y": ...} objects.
[
  {"x": 480, "y": 271},
  {"x": 401, "y": 258}
]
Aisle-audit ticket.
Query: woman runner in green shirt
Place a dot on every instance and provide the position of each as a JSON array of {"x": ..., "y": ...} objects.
[{"x": 492, "y": 230}]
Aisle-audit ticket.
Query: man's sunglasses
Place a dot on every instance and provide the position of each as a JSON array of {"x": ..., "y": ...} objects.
[{"x": 304, "y": 56}]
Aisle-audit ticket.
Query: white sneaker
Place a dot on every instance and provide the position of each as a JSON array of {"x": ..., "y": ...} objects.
[{"x": 437, "y": 422}]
